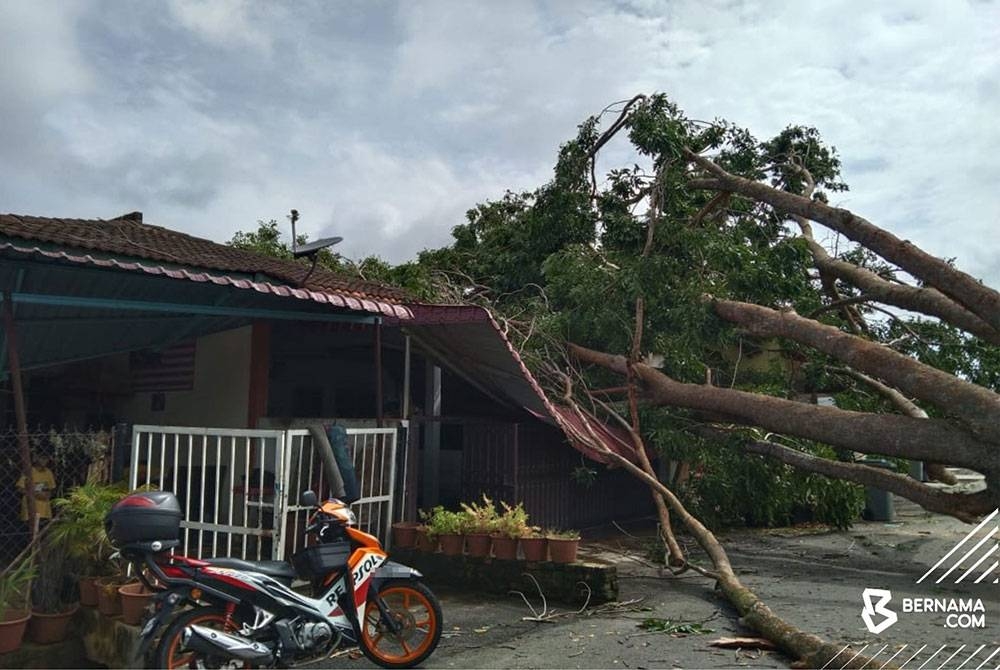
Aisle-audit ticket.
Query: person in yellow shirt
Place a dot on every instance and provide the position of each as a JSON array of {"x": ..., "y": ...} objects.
[{"x": 44, "y": 485}]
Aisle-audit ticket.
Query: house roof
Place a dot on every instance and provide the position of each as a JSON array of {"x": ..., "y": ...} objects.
[
  {"x": 129, "y": 237},
  {"x": 464, "y": 337}
]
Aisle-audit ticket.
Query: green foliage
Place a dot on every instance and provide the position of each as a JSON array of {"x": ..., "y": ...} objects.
[
  {"x": 80, "y": 526},
  {"x": 443, "y": 522},
  {"x": 728, "y": 487},
  {"x": 266, "y": 240},
  {"x": 567, "y": 534},
  {"x": 479, "y": 517},
  {"x": 14, "y": 587},
  {"x": 676, "y": 628},
  {"x": 513, "y": 521},
  {"x": 52, "y": 591}
]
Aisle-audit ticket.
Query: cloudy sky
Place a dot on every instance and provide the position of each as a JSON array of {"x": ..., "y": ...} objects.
[{"x": 385, "y": 122}]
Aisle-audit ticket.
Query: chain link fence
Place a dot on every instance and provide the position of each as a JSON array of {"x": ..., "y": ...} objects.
[{"x": 62, "y": 458}]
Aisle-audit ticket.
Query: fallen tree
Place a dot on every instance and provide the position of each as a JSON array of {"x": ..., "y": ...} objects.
[{"x": 688, "y": 299}]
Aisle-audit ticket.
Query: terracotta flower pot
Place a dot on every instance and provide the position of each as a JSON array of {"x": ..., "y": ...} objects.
[
  {"x": 108, "y": 602},
  {"x": 562, "y": 550},
  {"x": 12, "y": 630},
  {"x": 50, "y": 628},
  {"x": 452, "y": 544},
  {"x": 88, "y": 591},
  {"x": 505, "y": 548},
  {"x": 404, "y": 534},
  {"x": 425, "y": 542},
  {"x": 134, "y": 597},
  {"x": 478, "y": 544},
  {"x": 535, "y": 548}
]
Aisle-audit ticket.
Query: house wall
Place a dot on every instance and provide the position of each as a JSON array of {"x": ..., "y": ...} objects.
[{"x": 221, "y": 388}]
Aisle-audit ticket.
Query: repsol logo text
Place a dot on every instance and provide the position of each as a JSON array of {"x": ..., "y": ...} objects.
[{"x": 371, "y": 562}]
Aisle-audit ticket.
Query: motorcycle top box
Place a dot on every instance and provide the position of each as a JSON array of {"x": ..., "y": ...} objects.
[{"x": 144, "y": 517}]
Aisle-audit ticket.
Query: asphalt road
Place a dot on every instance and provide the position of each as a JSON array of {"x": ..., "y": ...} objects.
[{"x": 814, "y": 578}]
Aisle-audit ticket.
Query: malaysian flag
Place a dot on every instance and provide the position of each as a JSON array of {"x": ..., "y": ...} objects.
[{"x": 163, "y": 370}]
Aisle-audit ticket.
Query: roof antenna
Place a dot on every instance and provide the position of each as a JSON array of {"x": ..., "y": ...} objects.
[
  {"x": 294, "y": 217},
  {"x": 310, "y": 250}
]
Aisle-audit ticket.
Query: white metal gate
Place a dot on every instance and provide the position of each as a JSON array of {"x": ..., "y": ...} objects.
[
  {"x": 239, "y": 489},
  {"x": 374, "y": 453}
]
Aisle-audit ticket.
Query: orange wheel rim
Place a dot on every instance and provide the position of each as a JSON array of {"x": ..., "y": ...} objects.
[
  {"x": 413, "y": 610},
  {"x": 187, "y": 660}
]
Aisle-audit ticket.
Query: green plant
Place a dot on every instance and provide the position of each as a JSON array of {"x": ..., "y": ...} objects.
[
  {"x": 513, "y": 521},
  {"x": 479, "y": 518},
  {"x": 14, "y": 585},
  {"x": 52, "y": 590},
  {"x": 443, "y": 522},
  {"x": 562, "y": 534},
  {"x": 674, "y": 628},
  {"x": 80, "y": 526}
]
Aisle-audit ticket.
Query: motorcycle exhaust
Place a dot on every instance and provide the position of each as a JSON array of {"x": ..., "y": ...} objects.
[{"x": 217, "y": 643}]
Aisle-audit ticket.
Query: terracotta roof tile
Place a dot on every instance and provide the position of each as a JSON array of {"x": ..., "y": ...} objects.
[{"x": 127, "y": 237}]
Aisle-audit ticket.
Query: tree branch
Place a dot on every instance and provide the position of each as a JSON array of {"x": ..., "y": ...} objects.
[
  {"x": 979, "y": 406},
  {"x": 966, "y": 507},
  {"x": 887, "y": 434},
  {"x": 962, "y": 288}
]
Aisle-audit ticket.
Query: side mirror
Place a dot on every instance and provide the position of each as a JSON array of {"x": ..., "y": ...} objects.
[{"x": 309, "y": 499}]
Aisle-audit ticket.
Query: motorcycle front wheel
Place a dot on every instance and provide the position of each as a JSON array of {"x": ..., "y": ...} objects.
[
  {"x": 170, "y": 652},
  {"x": 416, "y": 613}
]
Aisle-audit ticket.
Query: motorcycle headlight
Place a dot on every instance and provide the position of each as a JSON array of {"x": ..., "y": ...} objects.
[{"x": 352, "y": 518}]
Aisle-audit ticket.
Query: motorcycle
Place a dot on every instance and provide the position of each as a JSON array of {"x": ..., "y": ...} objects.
[{"x": 228, "y": 612}]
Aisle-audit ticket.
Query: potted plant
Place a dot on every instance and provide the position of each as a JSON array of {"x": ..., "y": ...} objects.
[
  {"x": 511, "y": 526},
  {"x": 404, "y": 534},
  {"x": 134, "y": 597},
  {"x": 109, "y": 601},
  {"x": 14, "y": 614},
  {"x": 80, "y": 529},
  {"x": 563, "y": 545},
  {"x": 479, "y": 520},
  {"x": 534, "y": 545},
  {"x": 447, "y": 527},
  {"x": 53, "y": 597},
  {"x": 424, "y": 540}
]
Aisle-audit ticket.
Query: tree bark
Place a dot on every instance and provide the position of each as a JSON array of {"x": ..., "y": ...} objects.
[
  {"x": 811, "y": 650},
  {"x": 964, "y": 289},
  {"x": 935, "y": 471},
  {"x": 916, "y": 299},
  {"x": 887, "y": 434},
  {"x": 979, "y": 406}
]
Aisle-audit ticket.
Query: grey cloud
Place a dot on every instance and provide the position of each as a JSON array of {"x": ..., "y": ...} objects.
[{"x": 385, "y": 122}]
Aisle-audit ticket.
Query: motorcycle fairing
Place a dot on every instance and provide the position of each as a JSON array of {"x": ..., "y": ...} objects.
[{"x": 269, "y": 594}]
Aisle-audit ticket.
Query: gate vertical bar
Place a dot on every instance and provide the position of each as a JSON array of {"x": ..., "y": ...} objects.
[
  {"x": 187, "y": 494},
  {"x": 133, "y": 475},
  {"x": 281, "y": 487},
  {"x": 392, "y": 485},
  {"x": 232, "y": 488}
]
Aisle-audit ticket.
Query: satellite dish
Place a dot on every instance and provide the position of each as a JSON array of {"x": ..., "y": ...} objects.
[{"x": 313, "y": 247}]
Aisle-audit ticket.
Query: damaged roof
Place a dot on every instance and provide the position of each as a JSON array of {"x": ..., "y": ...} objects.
[{"x": 466, "y": 338}]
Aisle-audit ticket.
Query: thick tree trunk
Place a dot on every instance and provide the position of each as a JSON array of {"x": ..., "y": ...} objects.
[
  {"x": 964, "y": 289},
  {"x": 934, "y": 471},
  {"x": 887, "y": 434},
  {"x": 978, "y": 406}
]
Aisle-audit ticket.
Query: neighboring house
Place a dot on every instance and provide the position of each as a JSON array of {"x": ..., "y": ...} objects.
[{"x": 120, "y": 321}]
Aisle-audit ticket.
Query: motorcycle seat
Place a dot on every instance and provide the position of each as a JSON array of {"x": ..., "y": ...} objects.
[{"x": 279, "y": 570}]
